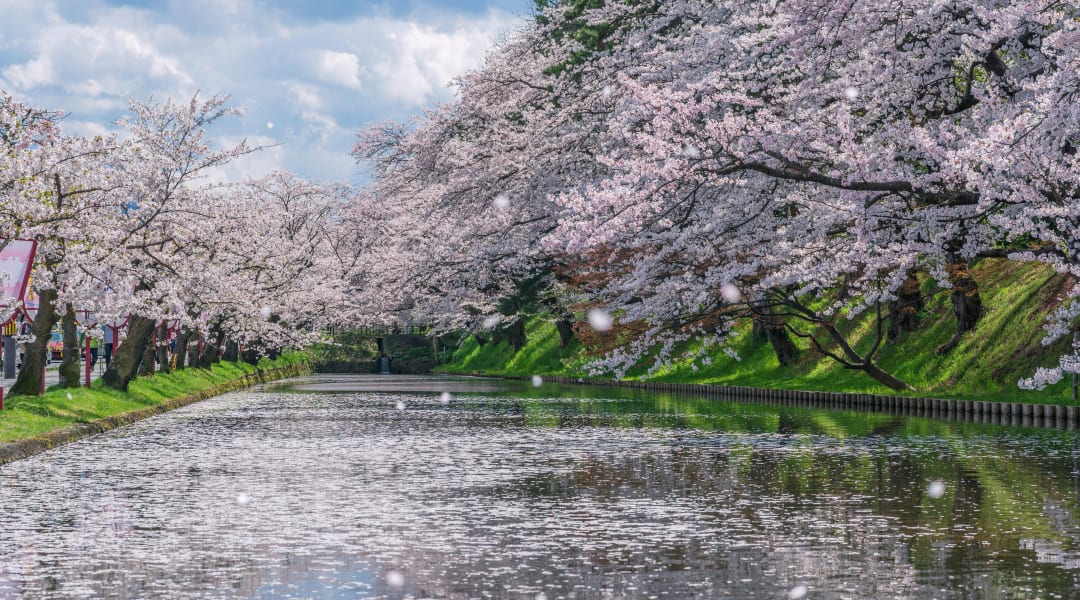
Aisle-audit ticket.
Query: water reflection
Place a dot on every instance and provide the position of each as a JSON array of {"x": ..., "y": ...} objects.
[{"x": 326, "y": 489}]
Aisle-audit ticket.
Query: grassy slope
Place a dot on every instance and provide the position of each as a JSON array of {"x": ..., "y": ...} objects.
[
  {"x": 1005, "y": 346},
  {"x": 29, "y": 416}
]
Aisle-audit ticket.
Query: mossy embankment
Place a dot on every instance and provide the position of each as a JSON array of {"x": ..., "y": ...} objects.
[
  {"x": 31, "y": 424},
  {"x": 1005, "y": 346}
]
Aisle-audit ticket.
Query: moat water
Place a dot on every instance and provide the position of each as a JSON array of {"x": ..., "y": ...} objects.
[{"x": 426, "y": 487}]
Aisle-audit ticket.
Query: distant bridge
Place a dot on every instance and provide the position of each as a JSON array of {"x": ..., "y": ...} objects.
[{"x": 385, "y": 330}]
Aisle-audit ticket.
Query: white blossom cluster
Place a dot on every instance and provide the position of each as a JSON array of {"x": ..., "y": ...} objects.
[{"x": 703, "y": 161}]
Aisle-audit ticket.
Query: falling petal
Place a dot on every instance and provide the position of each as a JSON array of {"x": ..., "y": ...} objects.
[
  {"x": 537, "y": 381},
  {"x": 492, "y": 322},
  {"x": 936, "y": 489},
  {"x": 400, "y": 405},
  {"x": 265, "y": 312},
  {"x": 502, "y": 202},
  {"x": 243, "y": 499},
  {"x": 269, "y": 124},
  {"x": 851, "y": 93},
  {"x": 600, "y": 320},
  {"x": 395, "y": 579},
  {"x": 730, "y": 293},
  {"x": 797, "y": 592},
  {"x": 444, "y": 398}
]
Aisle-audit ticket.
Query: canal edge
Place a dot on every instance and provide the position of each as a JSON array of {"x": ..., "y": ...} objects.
[
  {"x": 1058, "y": 416},
  {"x": 13, "y": 451}
]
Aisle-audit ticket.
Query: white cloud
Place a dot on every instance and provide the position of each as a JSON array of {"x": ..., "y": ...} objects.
[
  {"x": 317, "y": 80},
  {"x": 421, "y": 60},
  {"x": 34, "y": 73},
  {"x": 339, "y": 68},
  {"x": 85, "y": 128},
  {"x": 306, "y": 96},
  {"x": 89, "y": 87}
]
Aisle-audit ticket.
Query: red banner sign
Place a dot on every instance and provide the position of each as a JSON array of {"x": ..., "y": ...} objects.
[{"x": 16, "y": 262}]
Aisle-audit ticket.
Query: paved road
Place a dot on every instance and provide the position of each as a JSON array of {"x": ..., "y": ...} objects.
[{"x": 52, "y": 375}]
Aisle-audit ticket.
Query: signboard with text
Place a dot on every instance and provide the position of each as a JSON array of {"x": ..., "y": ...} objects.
[{"x": 16, "y": 262}]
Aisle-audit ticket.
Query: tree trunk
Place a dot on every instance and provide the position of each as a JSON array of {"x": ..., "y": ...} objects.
[
  {"x": 33, "y": 367},
  {"x": 771, "y": 327},
  {"x": 124, "y": 366},
  {"x": 182, "y": 339},
  {"x": 232, "y": 352},
  {"x": 273, "y": 353},
  {"x": 966, "y": 301},
  {"x": 865, "y": 363},
  {"x": 566, "y": 331},
  {"x": 69, "y": 367},
  {"x": 163, "y": 358},
  {"x": 250, "y": 356},
  {"x": 786, "y": 350},
  {"x": 149, "y": 353},
  {"x": 480, "y": 339},
  {"x": 884, "y": 377},
  {"x": 515, "y": 334},
  {"x": 212, "y": 348},
  {"x": 904, "y": 311},
  {"x": 193, "y": 354}
]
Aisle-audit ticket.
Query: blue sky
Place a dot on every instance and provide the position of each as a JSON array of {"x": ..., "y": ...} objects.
[{"x": 306, "y": 74}]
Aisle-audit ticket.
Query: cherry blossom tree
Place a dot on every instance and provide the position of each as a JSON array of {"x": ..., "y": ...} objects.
[
  {"x": 468, "y": 190},
  {"x": 816, "y": 151},
  {"x": 798, "y": 163},
  {"x": 54, "y": 186}
]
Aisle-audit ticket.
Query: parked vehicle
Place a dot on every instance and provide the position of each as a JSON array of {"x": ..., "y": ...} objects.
[{"x": 56, "y": 346}]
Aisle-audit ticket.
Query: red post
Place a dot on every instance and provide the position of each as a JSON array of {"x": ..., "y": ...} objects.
[{"x": 87, "y": 361}]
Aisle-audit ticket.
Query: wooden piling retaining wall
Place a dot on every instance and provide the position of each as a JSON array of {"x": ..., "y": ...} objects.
[{"x": 975, "y": 411}]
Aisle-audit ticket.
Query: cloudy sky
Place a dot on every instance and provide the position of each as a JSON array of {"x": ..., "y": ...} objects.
[{"x": 307, "y": 74}]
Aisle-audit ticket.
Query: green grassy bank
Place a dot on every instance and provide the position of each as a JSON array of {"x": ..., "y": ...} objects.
[
  {"x": 1005, "y": 346},
  {"x": 29, "y": 417}
]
